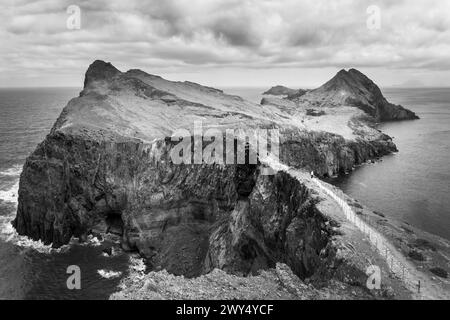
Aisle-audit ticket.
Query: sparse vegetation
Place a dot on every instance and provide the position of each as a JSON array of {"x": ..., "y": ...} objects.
[
  {"x": 416, "y": 255},
  {"x": 314, "y": 113},
  {"x": 423, "y": 244},
  {"x": 407, "y": 230},
  {"x": 357, "y": 205},
  {"x": 439, "y": 272},
  {"x": 379, "y": 214}
]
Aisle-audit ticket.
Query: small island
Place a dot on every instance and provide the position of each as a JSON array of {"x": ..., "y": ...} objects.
[{"x": 280, "y": 91}]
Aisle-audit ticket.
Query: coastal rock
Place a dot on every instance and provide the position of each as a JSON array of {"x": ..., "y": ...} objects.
[
  {"x": 314, "y": 113},
  {"x": 280, "y": 91},
  {"x": 298, "y": 93},
  {"x": 353, "y": 88},
  {"x": 108, "y": 251},
  {"x": 106, "y": 162},
  {"x": 329, "y": 154},
  {"x": 439, "y": 272},
  {"x": 272, "y": 284}
]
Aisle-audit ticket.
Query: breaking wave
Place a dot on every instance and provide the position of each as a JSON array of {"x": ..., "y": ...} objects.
[
  {"x": 108, "y": 274},
  {"x": 12, "y": 172},
  {"x": 8, "y": 234},
  {"x": 10, "y": 195}
]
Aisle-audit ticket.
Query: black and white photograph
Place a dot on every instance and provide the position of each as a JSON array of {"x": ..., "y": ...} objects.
[{"x": 228, "y": 157}]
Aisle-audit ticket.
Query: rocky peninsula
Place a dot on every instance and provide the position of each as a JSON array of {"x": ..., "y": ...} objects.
[
  {"x": 280, "y": 91},
  {"x": 106, "y": 163}
]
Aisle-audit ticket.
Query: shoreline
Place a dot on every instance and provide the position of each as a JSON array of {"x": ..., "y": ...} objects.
[
  {"x": 390, "y": 231},
  {"x": 191, "y": 220},
  {"x": 141, "y": 286},
  {"x": 430, "y": 251}
]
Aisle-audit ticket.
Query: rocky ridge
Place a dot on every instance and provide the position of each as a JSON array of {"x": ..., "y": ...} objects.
[
  {"x": 353, "y": 88},
  {"x": 107, "y": 158}
]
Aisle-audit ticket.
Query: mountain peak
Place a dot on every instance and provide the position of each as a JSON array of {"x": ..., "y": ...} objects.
[
  {"x": 100, "y": 70},
  {"x": 353, "y": 88},
  {"x": 350, "y": 74},
  {"x": 343, "y": 80},
  {"x": 342, "y": 72},
  {"x": 355, "y": 71}
]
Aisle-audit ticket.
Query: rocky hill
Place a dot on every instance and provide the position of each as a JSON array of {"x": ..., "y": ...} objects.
[
  {"x": 107, "y": 161},
  {"x": 352, "y": 88},
  {"x": 280, "y": 91}
]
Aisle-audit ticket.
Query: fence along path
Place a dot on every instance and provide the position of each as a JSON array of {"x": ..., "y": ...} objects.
[
  {"x": 394, "y": 259},
  {"x": 399, "y": 267}
]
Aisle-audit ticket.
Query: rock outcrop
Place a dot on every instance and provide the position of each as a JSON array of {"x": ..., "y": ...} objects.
[
  {"x": 280, "y": 91},
  {"x": 352, "y": 88},
  {"x": 329, "y": 154},
  {"x": 272, "y": 284},
  {"x": 107, "y": 158},
  {"x": 188, "y": 219},
  {"x": 298, "y": 93}
]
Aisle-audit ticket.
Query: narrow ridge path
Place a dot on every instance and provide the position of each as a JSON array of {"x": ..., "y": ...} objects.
[{"x": 398, "y": 264}]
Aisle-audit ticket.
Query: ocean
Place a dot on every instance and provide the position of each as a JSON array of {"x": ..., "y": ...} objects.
[
  {"x": 412, "y": 185},
  {"x": 28, "y": 269}
]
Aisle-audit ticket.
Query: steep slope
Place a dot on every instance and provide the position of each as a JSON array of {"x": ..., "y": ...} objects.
[
  {"x": 297, "y": 94},
  {"x": 138, "y": 105},
  {"x": 352, "y": 88},
  {"x": 107, "y": 158}
]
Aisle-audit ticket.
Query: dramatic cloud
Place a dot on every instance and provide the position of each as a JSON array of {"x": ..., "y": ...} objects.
[{"x": 227, "y": 39}]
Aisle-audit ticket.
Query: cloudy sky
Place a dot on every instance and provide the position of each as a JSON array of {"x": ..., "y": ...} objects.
[{"x": 299, "y": 43}]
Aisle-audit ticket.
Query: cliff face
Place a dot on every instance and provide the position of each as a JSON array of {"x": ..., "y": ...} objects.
[
  {"x": 188, "y": 219},
  {"x": 329, "y": 154},
  {"x": 352, "y": 88},
  {"x": 107, "y": 158}
]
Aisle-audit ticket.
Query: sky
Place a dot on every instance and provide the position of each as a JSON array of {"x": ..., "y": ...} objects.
[{"x": 227, "y": 43}]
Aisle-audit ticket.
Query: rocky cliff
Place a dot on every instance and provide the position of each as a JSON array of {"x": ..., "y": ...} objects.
[
  {"x": 353, "y": 88},
  {"x": 107, "y": 158}
]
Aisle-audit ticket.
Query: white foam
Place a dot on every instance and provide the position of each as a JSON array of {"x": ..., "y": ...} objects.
[
  {"x": 7, "y": 231},
  {"x": 10, "y": 195},
  {"x": 12, "y": 172},
  {"x": 9, "y": 234},
  {"x": 93, "y": 241},
  {"x": 109, "y": 274},
  {"x": 137, "y": 264},
  {"x": 39, "y": 246}
]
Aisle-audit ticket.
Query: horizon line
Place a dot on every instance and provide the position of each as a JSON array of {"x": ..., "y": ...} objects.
[{"x": 233, "y": 87}]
